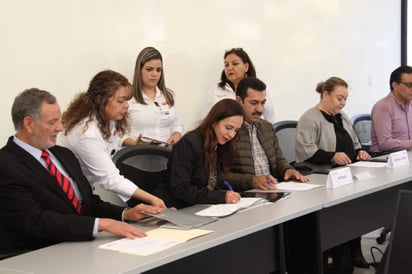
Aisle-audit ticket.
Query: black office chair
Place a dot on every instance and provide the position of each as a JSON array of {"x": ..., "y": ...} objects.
[
  {"x": 145, "y": 165},
  {"x": 286, "y": 134},
  {"x": 362, "y": 125}
]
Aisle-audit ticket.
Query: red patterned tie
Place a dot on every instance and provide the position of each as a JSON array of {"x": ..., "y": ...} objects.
[{"x": 62, "y": 180}]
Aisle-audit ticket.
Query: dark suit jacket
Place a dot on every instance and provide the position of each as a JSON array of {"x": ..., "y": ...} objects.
[
  {"x": 34, "y": 210},
  {"x": 188, "y": 177}
]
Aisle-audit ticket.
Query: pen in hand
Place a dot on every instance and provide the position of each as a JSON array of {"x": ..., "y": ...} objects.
[{"x": 228, "y": 185}]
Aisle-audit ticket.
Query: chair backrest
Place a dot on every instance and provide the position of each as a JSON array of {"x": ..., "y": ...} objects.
[
  {"x": 286, "y": 134},
  {"x": 397, "y": 254},
  {"x": 145, "y": 165},
  {"x": 362, "y": 125}
]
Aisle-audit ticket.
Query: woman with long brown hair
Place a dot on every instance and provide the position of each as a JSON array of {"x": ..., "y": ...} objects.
[
  {"x": 200, "y": 156},
  {"x": 92, "y": 125}
]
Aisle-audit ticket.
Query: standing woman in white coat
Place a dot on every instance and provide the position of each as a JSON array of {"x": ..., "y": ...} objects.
[{"x": 237, "y": 65}]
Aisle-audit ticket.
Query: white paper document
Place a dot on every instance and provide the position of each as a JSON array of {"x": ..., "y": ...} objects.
[
  {"x": 157, "y": 240},
  {"x": 286, "y": 187},
  {"x": 295, "y": 186},
  {"x": 368, "y": 164},
  {"x": 222, "y": 210},
  {"x": 139, "y": 246}
]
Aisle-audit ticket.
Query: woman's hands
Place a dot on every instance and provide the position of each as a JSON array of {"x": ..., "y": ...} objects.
[
  {"x": 139, "y": 212},
  {"x": 174, "y": 138},
  {"x": 363, "y": 156},
  {"x": 232, "y": 197}
]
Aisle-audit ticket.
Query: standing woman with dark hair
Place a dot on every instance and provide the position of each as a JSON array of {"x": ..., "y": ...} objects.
[
  {"x": 92, "y": 125},
  {"x": 152, "y": 109},
  {"x": 237, "y": 65},
  {"x": 197, "y": 160}
]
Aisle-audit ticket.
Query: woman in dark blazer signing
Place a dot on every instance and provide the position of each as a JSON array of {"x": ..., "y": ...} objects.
[{"x": 200, "y": 156}]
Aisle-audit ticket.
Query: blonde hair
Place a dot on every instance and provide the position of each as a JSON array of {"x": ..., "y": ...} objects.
[{"x": 330, "y": 84}]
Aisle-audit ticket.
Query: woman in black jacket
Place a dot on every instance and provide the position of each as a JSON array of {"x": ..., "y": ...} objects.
[{"x": 200, "y": 156}]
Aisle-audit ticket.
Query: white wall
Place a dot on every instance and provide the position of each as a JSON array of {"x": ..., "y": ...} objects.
[{"x": 60, "y": 45}]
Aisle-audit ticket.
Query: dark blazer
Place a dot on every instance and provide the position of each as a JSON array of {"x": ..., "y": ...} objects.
[
  {"x": 34, "y": 211},
  {"x": 188, "y": 177}
]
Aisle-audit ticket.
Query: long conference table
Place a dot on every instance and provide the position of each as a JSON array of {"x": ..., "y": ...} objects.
[{"x": 289, "y": 234}]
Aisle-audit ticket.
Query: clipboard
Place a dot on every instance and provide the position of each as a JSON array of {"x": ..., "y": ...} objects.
[
  {"x": 182, "y": 219},
  {"x": 269, "y": 196},
  {"x": 153, "y": 141}
]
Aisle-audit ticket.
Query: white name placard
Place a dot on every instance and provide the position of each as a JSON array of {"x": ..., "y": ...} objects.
[
  {"x": 339, "y": 177},
  {"x": 397, "y": 159}
]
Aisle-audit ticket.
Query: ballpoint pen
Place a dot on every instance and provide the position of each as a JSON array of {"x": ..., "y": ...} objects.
[{"x": 228, "y": 185}]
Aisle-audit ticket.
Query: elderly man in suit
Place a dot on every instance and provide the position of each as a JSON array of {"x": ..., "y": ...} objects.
[{"x": 44, "y": 197}]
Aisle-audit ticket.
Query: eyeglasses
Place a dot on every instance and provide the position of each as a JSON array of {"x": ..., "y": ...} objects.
[
  {"x": 233, "y": 50},
  {"x": 408, "y": 84}
]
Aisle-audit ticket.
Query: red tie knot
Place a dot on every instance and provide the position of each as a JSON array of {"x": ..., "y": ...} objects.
[{"x": 45, "y": 154}]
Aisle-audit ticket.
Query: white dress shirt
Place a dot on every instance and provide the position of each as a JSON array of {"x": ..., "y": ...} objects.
[
  {"x": 157, "y": 119},
  {"x": 217, "y": 93},
  {"x": 95, "y": 157}
]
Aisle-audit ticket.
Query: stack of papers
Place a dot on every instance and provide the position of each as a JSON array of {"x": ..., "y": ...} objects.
[
  {"x": 287, "y": 186},
  {"x": 295, "y": 186},
  {"x": 222, "y": 210},
  {"x": 369, "y": 164},
  {"x": 157, "y": 240}
]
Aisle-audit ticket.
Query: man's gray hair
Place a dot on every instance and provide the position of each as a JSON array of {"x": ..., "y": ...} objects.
[{"x": 29, "y": 103}]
